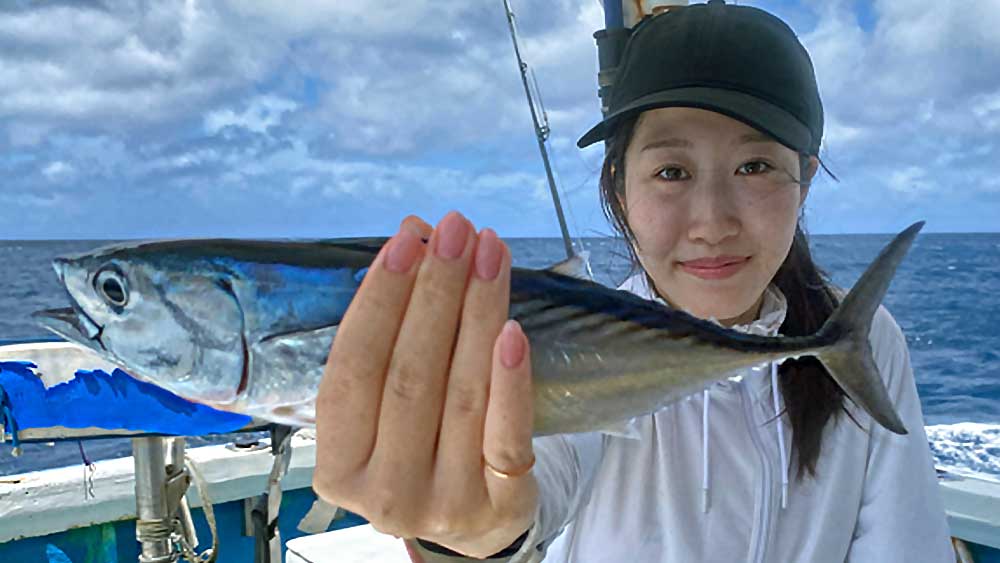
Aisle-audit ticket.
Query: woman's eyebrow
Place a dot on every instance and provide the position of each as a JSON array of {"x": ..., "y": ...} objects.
[
  {"x": 670, "y": 143},
  {"x": 753, "y": 138},
  {"x": 677, "y": 142}
]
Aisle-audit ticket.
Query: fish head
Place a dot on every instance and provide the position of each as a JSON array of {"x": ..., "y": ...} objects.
[{"x": 178, "y": 325}]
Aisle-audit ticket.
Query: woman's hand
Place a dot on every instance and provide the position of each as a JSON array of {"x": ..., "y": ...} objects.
[{"x": 424, "y": 385}]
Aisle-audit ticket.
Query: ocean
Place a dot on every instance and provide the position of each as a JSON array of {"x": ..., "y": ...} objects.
[{"x": 946, "y": 298}]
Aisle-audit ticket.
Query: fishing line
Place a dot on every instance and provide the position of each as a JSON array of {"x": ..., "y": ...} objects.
[
  {"x": 555, "y": 163},
  {"x": 565, "y": 197}
]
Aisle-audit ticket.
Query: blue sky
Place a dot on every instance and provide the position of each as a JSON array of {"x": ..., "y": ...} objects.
[{"x": 317, "y": 118}]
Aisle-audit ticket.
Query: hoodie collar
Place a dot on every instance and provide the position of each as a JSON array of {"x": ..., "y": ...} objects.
[
  {"x": 767, "y": 323},
  {"x": 760, "y": 379}
]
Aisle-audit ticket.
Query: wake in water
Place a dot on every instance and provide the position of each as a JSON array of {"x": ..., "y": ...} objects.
[{"x": 967, "y": 448}]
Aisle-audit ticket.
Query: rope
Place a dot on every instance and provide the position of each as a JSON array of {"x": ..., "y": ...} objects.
[
  {"x": 209, "y": 555},
  {"x": 155, "y": 530},
  {"x": 171, "y": 529},
  {"x": 160, "y": 529}
]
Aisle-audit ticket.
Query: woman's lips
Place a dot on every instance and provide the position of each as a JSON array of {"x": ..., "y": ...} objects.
[{"x": 714, "y": 268}]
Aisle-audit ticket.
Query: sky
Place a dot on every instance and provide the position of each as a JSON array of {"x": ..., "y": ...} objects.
[{"x": 123, "y": 119}]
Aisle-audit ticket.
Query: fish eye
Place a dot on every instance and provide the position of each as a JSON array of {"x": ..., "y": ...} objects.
[{"x": 110, "y": 284}]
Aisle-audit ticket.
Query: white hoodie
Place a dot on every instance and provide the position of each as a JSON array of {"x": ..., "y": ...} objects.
[{"x": 605, "y": 497}]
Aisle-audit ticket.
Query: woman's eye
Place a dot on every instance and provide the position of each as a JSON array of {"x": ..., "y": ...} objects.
[
  {"x": 672, "y": 173},
  {"x": 754, "y": 167}
]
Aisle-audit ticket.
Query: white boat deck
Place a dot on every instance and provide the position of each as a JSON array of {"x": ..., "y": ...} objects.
[{"x": 360, "y": 544}]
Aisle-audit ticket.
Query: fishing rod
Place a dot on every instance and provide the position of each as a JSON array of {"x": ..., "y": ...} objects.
[{"x": 541, "y": 128}]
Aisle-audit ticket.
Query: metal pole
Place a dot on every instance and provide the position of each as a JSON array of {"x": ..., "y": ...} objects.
[
  {"x": 541, "y": 133},
  {"x": 150, "y": 501},
  {"x": 610, "y": 44}
]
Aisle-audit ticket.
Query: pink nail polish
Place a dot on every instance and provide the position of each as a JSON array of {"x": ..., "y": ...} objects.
[
  {"x": 511, "y": 345},
  {"x": 403, "y": 252},
  {"x": 489, "y": 255},
  {"x": 452, "y": 236}
]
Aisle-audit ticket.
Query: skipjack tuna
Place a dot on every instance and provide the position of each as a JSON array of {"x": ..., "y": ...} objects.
[{"x": 246, "y": 326}]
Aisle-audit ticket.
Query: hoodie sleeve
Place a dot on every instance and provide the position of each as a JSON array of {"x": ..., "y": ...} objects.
[
  {"x": 901, "y": 516},
  {"x": 565, "y": 466},
  {"x": 565, "y": 469}
]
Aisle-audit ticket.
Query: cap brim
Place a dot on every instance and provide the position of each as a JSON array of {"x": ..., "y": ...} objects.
[{"x": 753, "y": 111}]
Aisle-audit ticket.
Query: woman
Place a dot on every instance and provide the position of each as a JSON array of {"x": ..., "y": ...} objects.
[{"x": 712, "y": 139}]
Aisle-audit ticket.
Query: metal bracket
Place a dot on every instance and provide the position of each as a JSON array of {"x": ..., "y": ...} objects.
[{"x": 267, "y": 544}]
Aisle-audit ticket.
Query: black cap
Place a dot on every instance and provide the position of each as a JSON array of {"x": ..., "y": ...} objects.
[{"x": 735, "y": 60}]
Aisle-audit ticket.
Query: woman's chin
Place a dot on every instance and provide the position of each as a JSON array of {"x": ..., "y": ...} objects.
[
  {"x": 725, "y": 317},
  {"x": 726, "y": 302}
]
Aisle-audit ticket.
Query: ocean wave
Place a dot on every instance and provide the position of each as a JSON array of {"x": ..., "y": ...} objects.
[{"x": 967, "y": 448}]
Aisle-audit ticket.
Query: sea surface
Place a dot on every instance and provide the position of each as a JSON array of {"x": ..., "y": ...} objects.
[{"x": 946, "y": 298}]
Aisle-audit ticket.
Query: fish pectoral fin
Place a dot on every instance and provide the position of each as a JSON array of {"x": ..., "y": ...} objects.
[
  {"x": 577, "y": 266},
  {"x": 290, "y": 351},
  {"x": 327, "y": 331}
]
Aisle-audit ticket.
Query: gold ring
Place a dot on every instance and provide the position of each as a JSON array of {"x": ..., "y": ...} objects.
[{"x": 510, "y": 474}]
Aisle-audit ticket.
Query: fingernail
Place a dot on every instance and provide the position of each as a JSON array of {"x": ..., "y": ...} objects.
[
  {"x": 511, "y": 345},
  {"x": 403, "y": 252},
  {"x": 412, "y": 223},
  {"x": 452, "y": 236},
  {"x": 489, "y": 255}
]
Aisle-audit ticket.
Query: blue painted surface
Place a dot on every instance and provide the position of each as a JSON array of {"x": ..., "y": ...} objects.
[
  {"x": 115, "y": 542},
  {"x": 114, "y": 401},
  {"x": 613, "y": 18},
  {"x": 983, "y": 554},
  {"x": 105, "y": 543}
]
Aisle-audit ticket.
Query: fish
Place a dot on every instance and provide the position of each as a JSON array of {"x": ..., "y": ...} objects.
[{"x": 246, "y": 326}]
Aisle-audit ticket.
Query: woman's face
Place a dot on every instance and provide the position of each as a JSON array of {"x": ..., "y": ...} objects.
[{"x": 713, "y": 204}]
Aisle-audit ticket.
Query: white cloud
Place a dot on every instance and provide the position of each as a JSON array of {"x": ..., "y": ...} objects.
[
  {"x": 388, "y": 77},
  {"x": 393, "y": 105},
  {"x": 137, "y": 63},
  {"x": 908, "y": 91},
  {"x": 56, "y": 171},
  {"x": 922, "y": 60},
  {"x": 260, "y": 113},
  {"x": 986, "y": 108}
]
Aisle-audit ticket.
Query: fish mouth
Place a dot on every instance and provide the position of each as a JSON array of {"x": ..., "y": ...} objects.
[{"x": 73, "y": 325}]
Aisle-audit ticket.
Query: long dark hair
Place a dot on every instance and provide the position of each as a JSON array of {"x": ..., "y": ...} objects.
[{"x": 811, "y": 397}]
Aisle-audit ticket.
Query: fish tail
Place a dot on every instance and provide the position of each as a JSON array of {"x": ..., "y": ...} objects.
[{"x": 849, "y": 358}]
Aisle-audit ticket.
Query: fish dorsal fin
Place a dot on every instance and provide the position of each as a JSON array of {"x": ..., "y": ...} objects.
[{"x": 576, "y": 266}]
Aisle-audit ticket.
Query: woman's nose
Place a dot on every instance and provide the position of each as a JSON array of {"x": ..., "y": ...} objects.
[{"x": 713, "y": 216}]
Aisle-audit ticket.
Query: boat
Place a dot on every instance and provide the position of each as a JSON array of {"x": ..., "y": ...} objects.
[
  {"x": 251, "y": 499},
  {"x": 67, "y": 514}
]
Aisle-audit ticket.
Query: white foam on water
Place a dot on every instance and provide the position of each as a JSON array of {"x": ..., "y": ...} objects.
[{"x": 967, "y": 448}]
